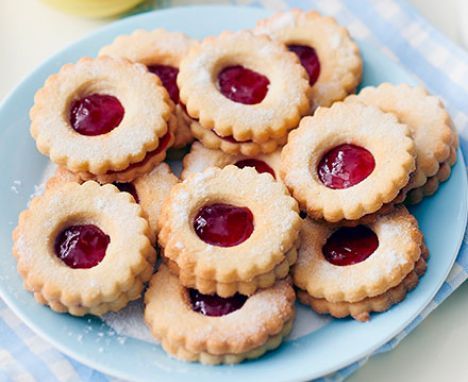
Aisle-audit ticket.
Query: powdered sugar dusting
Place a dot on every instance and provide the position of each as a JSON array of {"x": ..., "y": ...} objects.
[{"x": 130, "y": 322}]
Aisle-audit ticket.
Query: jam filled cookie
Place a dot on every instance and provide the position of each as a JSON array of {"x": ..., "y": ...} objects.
[
  {"x": 62, "y": 176},
  {"x": 347, "y": 161},
  {"x": 325, "y": 49},
  {"x": 149, "y": 190},
  {"x": 210, "y": 329},
  {"x": 102, "y": 116},
  {"x": 135, "y": 170},
  {"x": 432, "y": 184},
  {"x": 244, "y": 87},
  {"x": 229, "y": 230},
  {"x": 211, "y": 140},
  {"x": 357, "y": 270},
  {"x": 153, "y": 189},
  {"x": 200, "y": 158},
  {"x": 161, "y": 51},
  {"x": 84, "y": 248},
  {"x": 429, "y": 123}
]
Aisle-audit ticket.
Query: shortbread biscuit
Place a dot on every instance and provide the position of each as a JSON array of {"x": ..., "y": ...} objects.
[
  {"x": 212, "y": 141},
  {"x": 61, "y": 177},
  {"x": 200, "y": 158},
  {"x": 153, "y": 189},
  {"x": 229, "y": 227},
  {"x": 247, "y": 288},
  {"x": 432, "y": 183},
  {"x": 334, "y": 62},
  {"x": 161, "y": 51},
  {"x": 425, "y": 115},
  {"x": 258, "y": 325},
  {"x": 143, "y": 106},
  {"x": 314, "y": 157},
  {"x": 266, "y": 112},
  {"x": 361, "y": 310},
  {"x": 151, "y": 159},
  {"x": 149, "y": 191},
  {"x": 397, "y": 247},
  {"x": 109, "y": 282}
]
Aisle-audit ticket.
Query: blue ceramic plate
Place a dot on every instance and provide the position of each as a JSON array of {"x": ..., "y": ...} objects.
[{"x": 334, "y": 345}]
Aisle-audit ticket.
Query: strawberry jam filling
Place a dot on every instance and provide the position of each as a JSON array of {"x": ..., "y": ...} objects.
[
  {"x": 215, "y": 306},
  {"x": 81, "y": 246},
  {"x": 345, "y": 166},
  {"x": 257, "y": 164},
  {"x": 96, "y": 114},
  {"x": 243, "y": 85},
  {"x": 223, "y": 225},
  {"x": 309, "y": 60},
  {"x": 168, "y": 76},
  {"x": 127, "y": 187},
  {"x": 350, "y": 245}
]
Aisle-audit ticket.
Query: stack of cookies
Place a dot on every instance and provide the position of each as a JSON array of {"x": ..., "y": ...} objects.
[{"x": 292, "y": 183}]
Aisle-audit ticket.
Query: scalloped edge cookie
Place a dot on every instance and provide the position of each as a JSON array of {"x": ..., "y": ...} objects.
[
  {"x": 281, "y": 109},
  {"x": 277, "y": 224},
  {"x": 151, "y": 159},
  {"x": 340, "y": 60},
  {"x": 247, "y": 288},
  {"x": 432, "y": 184},
  {"x": 114, "y": 151},
  {"x": 429, "y": 122},
  {"x": 400, "y": 243},
  {"x": 258, "y": 326},
  {"x": 161, "y": 47},
  {"x": 358, "y": 124},
  {"x": 361, "y": 310},
  {"x": 111, "y": 284},
  {"x": 153, "y": 189},
  {"x": 214, "y": 142}
]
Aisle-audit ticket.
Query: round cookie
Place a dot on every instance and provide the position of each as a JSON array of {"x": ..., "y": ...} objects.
[
  {"x": 93, "y": 255},
  {"x": 88, "y": 116},
  {"x": 354, "y": 271},
  {"x": 326, "y": 50},
  {"x": 161, "y": 52},
  {"x": 219, "y": 330},
  {"x": 337, "y": 167},
  {"x": 244, "y": 87},
  {"x": 429, "y": 123},
  {"x": 229, "y": 230}
]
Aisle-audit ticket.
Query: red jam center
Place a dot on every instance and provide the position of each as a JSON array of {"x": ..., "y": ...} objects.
[
  {"x": 96, "y": 114},
  {"x": 127, "y": 187},
  {"x": 168, "y": 76},
  {"x": 345, "y": 166},
  {"x": 81, "y": 246},
  {"x": 257, "y": 164},
  {"x": 243, "y": 85},
  {"x": 223, "y": 225},
  {"x": 350, "y": 245},
  {"x": 215, "y": 306},
  {"x": 309, "y": 60}
]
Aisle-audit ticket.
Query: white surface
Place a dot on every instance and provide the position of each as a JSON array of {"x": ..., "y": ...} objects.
[{"x": 435, "y": 351}]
